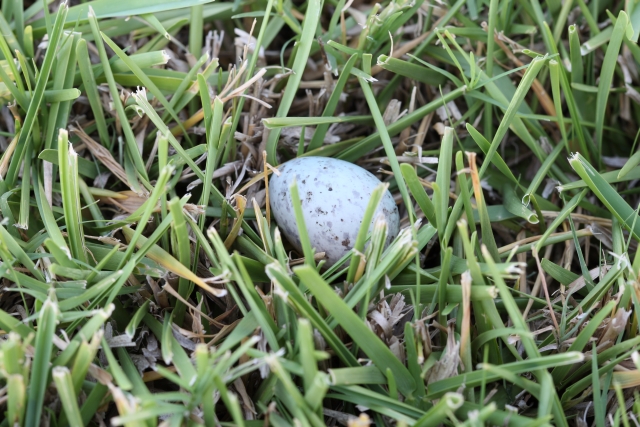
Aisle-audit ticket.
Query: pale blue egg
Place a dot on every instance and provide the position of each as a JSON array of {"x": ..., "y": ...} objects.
[{"x": 334, "y": 195}]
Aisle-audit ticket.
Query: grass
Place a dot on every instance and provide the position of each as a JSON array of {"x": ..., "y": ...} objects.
[{"x": 145, "y": 281}]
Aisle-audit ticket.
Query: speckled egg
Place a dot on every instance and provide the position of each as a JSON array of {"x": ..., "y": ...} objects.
[{"x": 334, "y": 195}]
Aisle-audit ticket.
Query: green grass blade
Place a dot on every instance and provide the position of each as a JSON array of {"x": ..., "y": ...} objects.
[
  {"x": 40, "y": 370},
  {"x": 621, "y": 30},
  {"x": 302, "y": 54},
  {"x": 68, "y": 161},
  {"x": 362, "y": 335},
  {"x": 607, "y": 194}
]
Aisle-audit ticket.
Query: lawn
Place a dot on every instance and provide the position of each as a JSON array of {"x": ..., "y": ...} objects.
[{"x": 145, "y": 279}]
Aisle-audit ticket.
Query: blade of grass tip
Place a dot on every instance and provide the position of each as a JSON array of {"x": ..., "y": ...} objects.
[
  {"x": 514, "y": 205},
  {"x": 450, "y": 402},
  {"x": 523, "y": 88},
  {"x": 156, "y": 24},
  {"x": 454, "y": 58},
  {"x": 64, "y": 385},
  {"x": 159, "y": 41},
  {"x": 47, "y": 320},
  {"x": 302, "y": 54},
  {"x": 205, "y": 99},
  {"x": 142, "y": 58},
  {"x": 133, "y": 324},
  {"x": 365, "y": 226},
  {"x": 375, "y": 349},
  {"x": 38, "y": 94},
  {"x": 609, "y": 63},
  {"x": 132, "y": 146},
  {"x": 183, "y": 253},
  {"x": 607, "y": 194},
  {"x": 575, "y": 56},
  {"x": 610, "y": 177},
  {"x": 68, "y": 161},
  {"x": 167, "y": 352}
]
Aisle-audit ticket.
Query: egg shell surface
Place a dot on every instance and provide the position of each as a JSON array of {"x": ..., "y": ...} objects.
[{"x": 334, "y": 195}]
